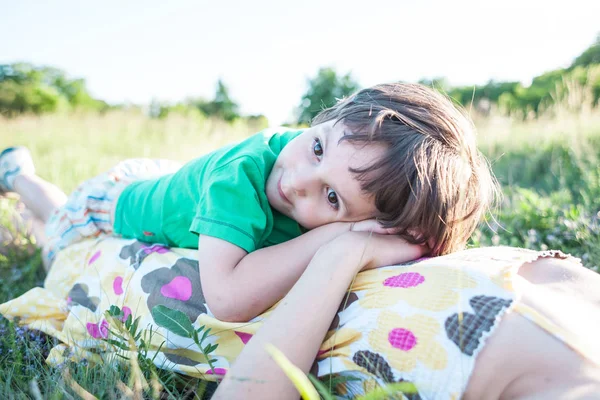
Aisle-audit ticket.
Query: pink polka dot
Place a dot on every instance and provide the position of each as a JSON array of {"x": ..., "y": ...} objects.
[
  {"x": 155, "y": 248},
  {"x": 104, "y": 328},
  {"x": 92, "y": 329},
  {"x": 98, "y": 331},
  {"x": 95, "y": 257},
  {"x": 126, "y": 313},
  {"x": 244, "y": 336},
  {"x": 180, "y": 288},
  {"x": 404, "y": 280},
  {"x": 218, "y": 371},
  {"x": 402, "y": 339},
  {"x": 118, "y": 285}
]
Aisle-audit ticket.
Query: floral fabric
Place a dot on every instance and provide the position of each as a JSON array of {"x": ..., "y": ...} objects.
[{"x": 421, "y": 324}]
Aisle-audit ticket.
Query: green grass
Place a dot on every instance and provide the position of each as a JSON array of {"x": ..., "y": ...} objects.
[{"x": 549, "y": 170}]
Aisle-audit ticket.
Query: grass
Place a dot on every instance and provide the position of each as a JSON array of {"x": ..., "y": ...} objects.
[{"x": 549, "y": 170}]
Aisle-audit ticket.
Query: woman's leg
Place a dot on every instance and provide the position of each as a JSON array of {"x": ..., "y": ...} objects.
[{"x": 39, "y": 195}]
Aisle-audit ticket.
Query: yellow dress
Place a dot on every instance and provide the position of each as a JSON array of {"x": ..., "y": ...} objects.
[{"x": 421, "y": 323}]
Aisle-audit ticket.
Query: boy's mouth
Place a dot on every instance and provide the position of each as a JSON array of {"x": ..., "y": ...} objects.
[{"x": 283, "y": 196}]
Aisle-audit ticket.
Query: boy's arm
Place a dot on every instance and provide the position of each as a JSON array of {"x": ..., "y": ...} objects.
[{"x": 238, "y": 286}]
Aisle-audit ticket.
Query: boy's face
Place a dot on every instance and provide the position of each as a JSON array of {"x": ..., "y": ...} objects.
[{"x": 311, "y": 182}]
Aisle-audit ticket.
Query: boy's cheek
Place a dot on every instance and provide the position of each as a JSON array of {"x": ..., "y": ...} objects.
[{"x": 309, "y": 217}]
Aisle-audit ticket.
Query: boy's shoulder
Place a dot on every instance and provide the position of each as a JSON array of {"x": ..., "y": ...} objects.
[
  {"x": 267, "y": 143},
  {"x": 277, "y": 136},
  {"x": 256, "y": 151},
  {"x": 276, "y": 131}
]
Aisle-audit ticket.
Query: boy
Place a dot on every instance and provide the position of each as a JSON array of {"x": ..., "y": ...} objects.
[{"x": 396, "y": 159}]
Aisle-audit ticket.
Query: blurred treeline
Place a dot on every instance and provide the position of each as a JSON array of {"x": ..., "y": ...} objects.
[
  {"x": 546, "y": 90},
  {"x": 38, "y": 90},
  {"x": 29, "y": 89}
]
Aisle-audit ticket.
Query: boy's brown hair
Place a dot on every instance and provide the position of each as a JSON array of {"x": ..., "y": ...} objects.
[{"x": 432, "y": 183}]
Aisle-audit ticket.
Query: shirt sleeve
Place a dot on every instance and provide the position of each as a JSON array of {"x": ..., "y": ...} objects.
[{"x": 230, "y": 205}]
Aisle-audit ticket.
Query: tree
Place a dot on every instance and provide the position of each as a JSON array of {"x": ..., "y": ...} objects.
[
  {"x": 324, "y": 91},
  {"x": 25, "y": 88},
  {"x": 222, "y": 105},
  {"x": 589, "y": 56}
]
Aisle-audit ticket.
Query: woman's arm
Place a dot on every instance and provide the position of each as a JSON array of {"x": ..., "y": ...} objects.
[{"x": 298, "y": 325}]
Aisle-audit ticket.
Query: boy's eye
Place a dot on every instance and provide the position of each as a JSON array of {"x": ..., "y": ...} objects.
[
  {"x": 332, "y": 197},
  {"x": 317, "y": 148}
]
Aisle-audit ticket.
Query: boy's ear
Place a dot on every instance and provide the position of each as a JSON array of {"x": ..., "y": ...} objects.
[
  {"x": 417, "y": 235},
  {"x": 431, "y": 243}
]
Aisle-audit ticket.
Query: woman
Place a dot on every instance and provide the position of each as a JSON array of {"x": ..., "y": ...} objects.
[
  {"x": 521, "y": 359},
  {"x": 496, "y": 330}
]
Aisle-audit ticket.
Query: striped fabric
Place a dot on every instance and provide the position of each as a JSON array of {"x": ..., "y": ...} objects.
[{"x": 87, "y": 211}]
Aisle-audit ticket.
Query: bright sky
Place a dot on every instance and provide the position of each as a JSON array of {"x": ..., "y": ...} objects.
[{"x": 265, "y": 50}]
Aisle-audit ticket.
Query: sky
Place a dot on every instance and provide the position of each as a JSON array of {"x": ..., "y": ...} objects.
[{"x": 266, "y": 50}]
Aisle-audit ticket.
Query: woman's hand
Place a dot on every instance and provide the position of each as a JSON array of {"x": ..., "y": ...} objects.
[
  {"x": 371, "y": 225},
  {"x": 392, "y": 249},
  {"x": 367, "y": 250}
]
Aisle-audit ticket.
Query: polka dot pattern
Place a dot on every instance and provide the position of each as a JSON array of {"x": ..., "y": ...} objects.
[
  {"x": 402, "y": 339},
  {"x": 404, "y": 280}
]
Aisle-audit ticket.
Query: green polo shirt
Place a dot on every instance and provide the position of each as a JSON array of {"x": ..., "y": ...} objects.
[{"x": 221, "y": 194}]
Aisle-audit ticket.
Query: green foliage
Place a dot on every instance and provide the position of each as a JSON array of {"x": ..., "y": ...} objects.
[
  {"x": 590, "y": 56},
  {"x": 467, "y": 95},
  {"x": 179, "y": 323},
  {"x": 551, "y": 197},
  {"x": 323, "y": 390},
  {"x": 221, "y": 107},
  {"x": 558, "y": 87},
  {"x": 28, "y": 89},
  {"x": 324, "y": 91},
  {"x": 173, "y": 320},
  {"x": 551, "y": 89}
]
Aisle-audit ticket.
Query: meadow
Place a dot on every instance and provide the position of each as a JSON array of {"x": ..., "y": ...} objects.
[{"x": 548, "y": 167}]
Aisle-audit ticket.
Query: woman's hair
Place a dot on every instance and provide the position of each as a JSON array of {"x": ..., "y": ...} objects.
[{"x": 432, "y": 184}]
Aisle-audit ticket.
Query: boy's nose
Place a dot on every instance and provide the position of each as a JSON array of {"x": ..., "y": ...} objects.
[{"x": 302, "y": 182}]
